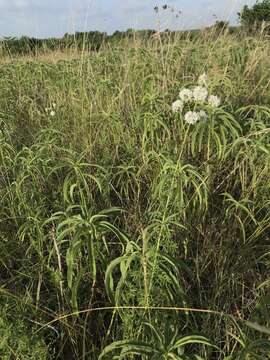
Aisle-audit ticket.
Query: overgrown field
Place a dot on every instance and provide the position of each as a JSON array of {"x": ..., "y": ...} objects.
[{"x": 126, "y": 232}]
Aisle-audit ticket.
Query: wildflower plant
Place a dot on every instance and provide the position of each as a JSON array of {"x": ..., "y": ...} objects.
[{"x": 194, "y": 102}]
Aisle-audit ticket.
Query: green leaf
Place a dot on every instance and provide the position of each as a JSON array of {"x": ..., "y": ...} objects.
[
  {"x": 258, "y": 327},
  {"x": 69, "y": 261},
  {"x": 128, "y": 347},
  {"x": 191, "y": 339}
]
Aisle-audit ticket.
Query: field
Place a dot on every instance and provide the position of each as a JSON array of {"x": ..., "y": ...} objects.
[{"x": 127, "y": 232}]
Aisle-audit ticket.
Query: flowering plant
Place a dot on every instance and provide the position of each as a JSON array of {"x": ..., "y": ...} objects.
[
  {"x": 195, "y": 99},
  {"x": 51, "y": 110}
]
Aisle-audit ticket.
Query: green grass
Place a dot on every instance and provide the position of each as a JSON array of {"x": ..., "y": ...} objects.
[{"x": 125, "y": 232}]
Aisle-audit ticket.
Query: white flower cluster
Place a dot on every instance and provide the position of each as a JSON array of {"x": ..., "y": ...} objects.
[
  {"x": 51, "y": 110},
  {"x": 200, "y": 93},
  {"x": 191, "y": 117},
  {"x": 197, "y": 96},
  {"x": 177, "y": 106},
  {"x": 214, "y": 101},
  {"x": 186, "y": 95}
]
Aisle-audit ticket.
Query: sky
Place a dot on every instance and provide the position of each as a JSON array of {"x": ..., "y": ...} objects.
[{"x": 53, "y": 18}]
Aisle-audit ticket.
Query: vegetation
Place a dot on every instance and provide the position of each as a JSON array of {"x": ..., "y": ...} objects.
[
  {"x": 90, "y": 41},
  {"x": 95, "y": 40},
  {"x": 127, "y": 233},
  {"x": 257, "y": 16}
]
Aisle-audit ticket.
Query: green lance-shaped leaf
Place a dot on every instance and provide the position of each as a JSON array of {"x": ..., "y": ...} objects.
[
  {"x": 191, "y": 339},
  {"x": 129, "y": 347}
]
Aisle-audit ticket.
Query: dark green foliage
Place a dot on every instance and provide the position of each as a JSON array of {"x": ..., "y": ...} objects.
[
  {"x": 221, "y": 26},
  {"x": 18, "y": 339},
  {"x": 254, "y": 17},
  {"x": 91, "y": 41}
]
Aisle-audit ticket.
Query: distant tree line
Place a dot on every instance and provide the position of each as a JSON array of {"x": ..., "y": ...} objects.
[
  {"x": 29, "y": 45},
  {"x": 90, "y": 41},
  {"x": 93, "y": 40},
  {"x": 256, "y": 17}
]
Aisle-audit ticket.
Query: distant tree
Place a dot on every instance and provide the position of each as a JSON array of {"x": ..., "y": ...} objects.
[
  {"x": 221, "y": 26},
  {"x": 218, "y": 28},
  {"x": 255, "y": 17}
]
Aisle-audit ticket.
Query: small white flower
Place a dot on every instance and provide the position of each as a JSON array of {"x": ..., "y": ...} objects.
[
  {"x": 186, "y": 95},
  {"x": 200, "y": 93},
  {"x": 202, "y": 81},
  {"x": 203, "y": 115},
  {"x": 214, "y": 101},
  {"x": 52, "y": 113},
  {"x": 191, "y": 117},
  {"x": 177, "y": 106}
]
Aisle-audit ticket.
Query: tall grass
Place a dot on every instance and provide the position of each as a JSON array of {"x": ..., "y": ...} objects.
[{"x": 125, "y": 232}]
